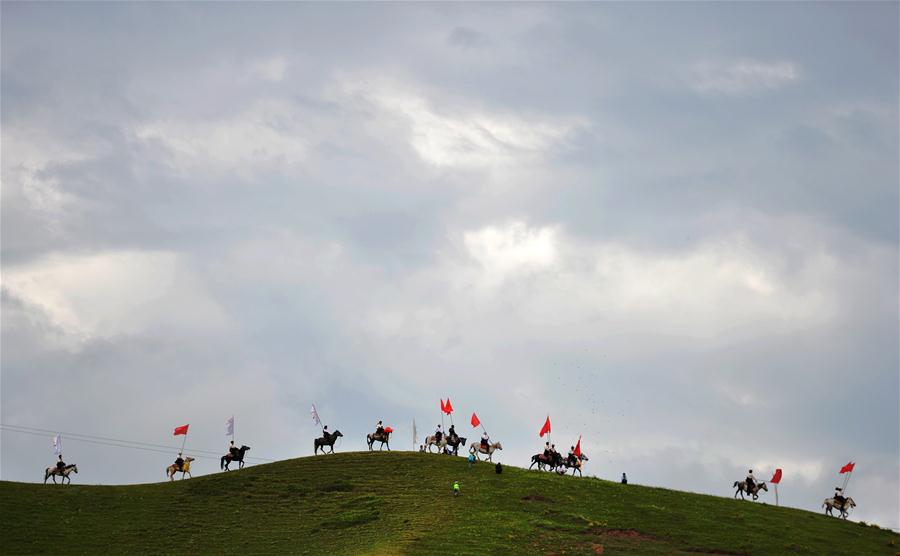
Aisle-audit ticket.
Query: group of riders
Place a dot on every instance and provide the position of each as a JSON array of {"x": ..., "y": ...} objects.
[
  {"x": 233, "y": 454},
  {"x": 453, "y": 438}
]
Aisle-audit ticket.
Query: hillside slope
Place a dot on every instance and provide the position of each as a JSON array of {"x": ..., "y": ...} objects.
[{"x": 392, "y": 503}]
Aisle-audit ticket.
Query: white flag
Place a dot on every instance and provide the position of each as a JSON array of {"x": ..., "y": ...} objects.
[
  {"x": 57, "y": 445},
  {"x": 315, "y": 415},
  {"x": 229, "y": 427}
]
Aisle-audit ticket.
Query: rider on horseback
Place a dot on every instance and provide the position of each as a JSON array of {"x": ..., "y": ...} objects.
[
  {"x": 751, "y": 482},
  {"x": 326, "y": 436},
  {"x": 451, "y": 434},
  {"x": 547, "y": 452},
  {"x": 839, "y": 497},
  {"x": 438, "y": 434},
  {"x": 485, "y": 440},
  {"x": 179, "y": 462},
  {"x": 572, "y": 458},
  {"x": 233, "y": 450},
  {"x": 379, "y": 428},
  {"x": 60, "y": 465}
]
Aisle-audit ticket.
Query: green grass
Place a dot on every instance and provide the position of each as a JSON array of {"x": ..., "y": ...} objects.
[{"x": 389, "y": 503}]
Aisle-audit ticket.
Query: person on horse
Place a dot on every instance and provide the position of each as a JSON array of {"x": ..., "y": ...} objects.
[
  {"x": 451, "y": 434},
  {"x": 485, "y": 440},
  {"x": 379, "y": 428},
  {"x": 438, "y": 434},
  {"x": 326, "y": 436},
  {"x": 179, "y": 462},
  {"x": 547, "y": 451},
  {"x": 751, "y": 482},
  {"x": 233, "y": 451},
  {"x": 572, "y": 458},
  {"x": 61, "y": 465},
  {"x": 839, "y": 497}
]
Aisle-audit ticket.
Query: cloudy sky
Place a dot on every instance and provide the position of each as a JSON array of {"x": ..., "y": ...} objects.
[{"x": 672, "y": 227}]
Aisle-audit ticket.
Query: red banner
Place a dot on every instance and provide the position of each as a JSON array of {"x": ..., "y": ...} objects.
[
  {"x": 546, "y": 428},
  {"x": 448, "y": 409},
  {"x": 181, "y": 430},
  {"x": 475, "y": 421},
  {"x": 776, "y": 478},
  {"x": 578, "y": 448},
  {"x": 848, "y": 468}
]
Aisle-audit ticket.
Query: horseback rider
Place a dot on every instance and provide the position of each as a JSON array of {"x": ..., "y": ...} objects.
[
  {"x": 451, "y": 434},
  {"x": 179, "y": 462},
  {"x": 60, "y": 465},
  {"x": 547, "y": 452},
  {"x": 438, "y": 434},
  {"x": 751, "y": 482},
  {"x": 326, "y": 436},
  {"x": 233, "y": 451},
  {"x": 839, "y": 497},
  {"x": 379, "y": 428},
  {"x": 572, "y": 458},
  {"x": 485, "y": 440}
]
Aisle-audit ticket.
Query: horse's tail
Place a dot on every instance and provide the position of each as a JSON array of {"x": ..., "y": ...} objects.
[
  {"x": 222, "y": 463},
  {"x": 736, "y": 484}
]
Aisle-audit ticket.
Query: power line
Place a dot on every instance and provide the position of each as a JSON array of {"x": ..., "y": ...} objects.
[{"x": 115, "y": 442}]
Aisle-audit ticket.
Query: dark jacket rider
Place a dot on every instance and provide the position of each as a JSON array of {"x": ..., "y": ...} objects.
[
  {"x": 61, "y": 465},
  {"x": 179, "y": 462}
]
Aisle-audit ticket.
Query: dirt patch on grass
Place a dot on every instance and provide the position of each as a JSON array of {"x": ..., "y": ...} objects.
[
  {"x": 630, "y": 534},
  {"x": 537, "y": 498}
]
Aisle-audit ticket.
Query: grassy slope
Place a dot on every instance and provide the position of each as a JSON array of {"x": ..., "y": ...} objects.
[{"x": 401, "y": 502}]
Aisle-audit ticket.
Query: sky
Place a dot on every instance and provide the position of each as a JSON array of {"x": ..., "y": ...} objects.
[{"x": 673, "y": 228}]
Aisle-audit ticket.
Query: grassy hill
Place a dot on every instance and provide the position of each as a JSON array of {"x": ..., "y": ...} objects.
[{"x": 389, "y": 503}]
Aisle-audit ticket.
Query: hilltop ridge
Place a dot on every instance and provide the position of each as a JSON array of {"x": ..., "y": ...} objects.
[{"x": 401, "y": 502}]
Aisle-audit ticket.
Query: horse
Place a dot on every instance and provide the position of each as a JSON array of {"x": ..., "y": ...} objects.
[
  {"x": 185, "y": 468},
  {"x": 829, "y": 504},
  {"x": 475, "y": 448},
  {"x": 430, "y": 441},
  {"x": 65, "y": 472},
  {"x": 323, "y": 441},
  {"x": 541, "y": 460},
  {"x": 454, "y": 443},
  {"x": 741, "y": 487},
  {"x": 228, "y": 458},
  {"x": 374, "y": 437},
  {"x": 579, "y": 464}
]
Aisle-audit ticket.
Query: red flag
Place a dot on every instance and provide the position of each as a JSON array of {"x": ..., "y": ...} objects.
[
  {"x": 848, "y": 468},
  {"x": 776, "y": 478},
  {"x": 475, "y": 421},
  {"x": 546, "y": 428},
  {"x": 448, "y": 409},
  {"x": 443, "y": 407},
  {"x": 181, "y": 430},
  {"x": 577, "y": 451}
]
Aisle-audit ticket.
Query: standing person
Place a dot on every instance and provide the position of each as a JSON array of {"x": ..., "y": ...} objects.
[
  {"x": 498, "y": 468},
  {"x": 471, "y": 459},
  {"x": 624, "y": 479}
]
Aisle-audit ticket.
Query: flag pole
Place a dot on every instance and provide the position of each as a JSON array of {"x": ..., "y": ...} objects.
[
  {"x": 182, "y": 443},
  {"x": 776, "y": 494},
  {"x": 232, "y": 427}
]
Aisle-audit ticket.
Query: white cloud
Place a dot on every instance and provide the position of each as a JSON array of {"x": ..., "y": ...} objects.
[
  {"x": 268, "y": 136},
  {"x": 742, "y": 77},
  {"x": 112, "y": 293},
  {"x": 464, "y": 137}
]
